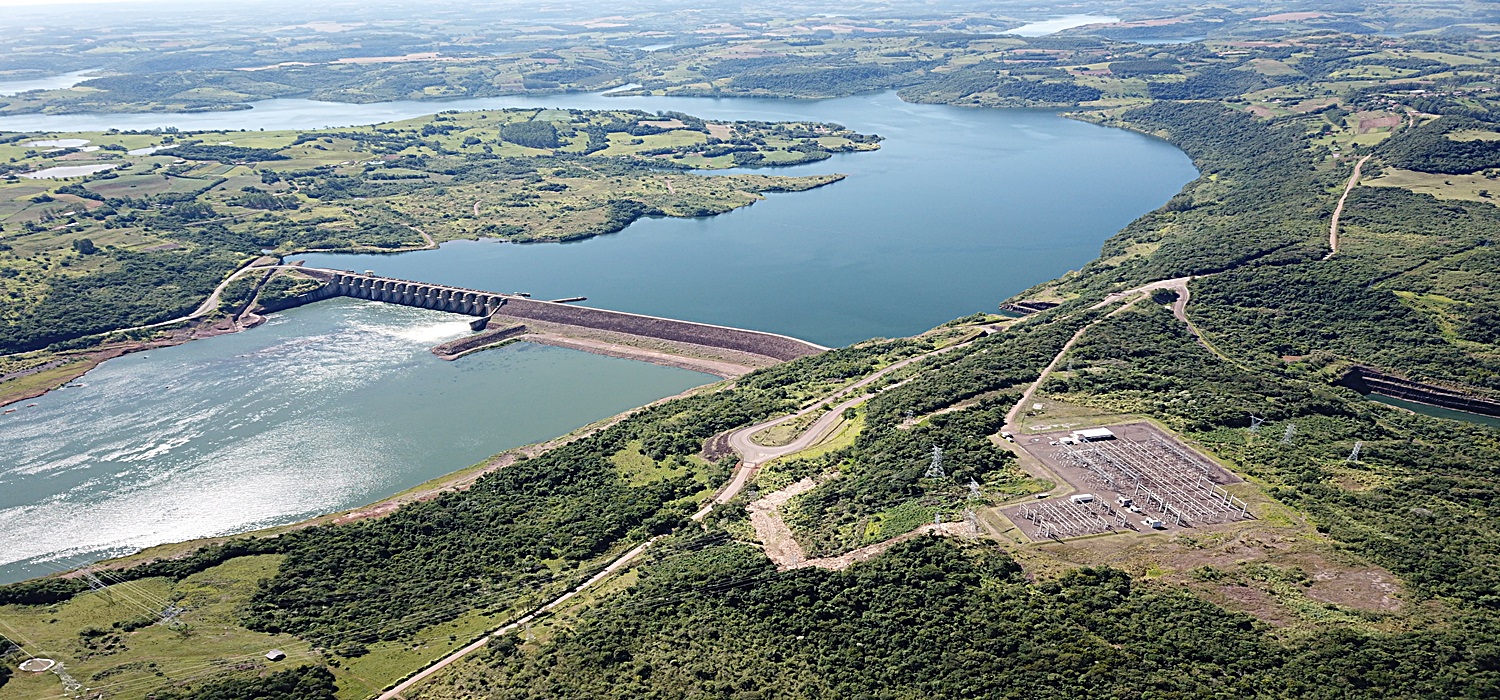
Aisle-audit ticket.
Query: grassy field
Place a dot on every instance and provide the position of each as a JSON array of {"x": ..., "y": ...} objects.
[
  {"x": 177, "y": 199},
  {"x": 88, "y": 635},
  {"x": 1474, "y": 187},
  {"x": 639, "y": 469}
]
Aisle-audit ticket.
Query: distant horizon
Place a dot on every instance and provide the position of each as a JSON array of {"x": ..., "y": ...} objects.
[{"x": 45, "y": 3}]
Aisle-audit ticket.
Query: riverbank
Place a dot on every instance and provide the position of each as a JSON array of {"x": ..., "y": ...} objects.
[
  {"x": 72, "y": 365},
  {"x": 940, "y": 210},
  {"x": 458, "y": 480}
]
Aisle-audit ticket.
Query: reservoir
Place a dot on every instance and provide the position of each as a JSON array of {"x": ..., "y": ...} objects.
[
  {"x": 959, "y": 209},
  {"x": 339, "y": 404}
]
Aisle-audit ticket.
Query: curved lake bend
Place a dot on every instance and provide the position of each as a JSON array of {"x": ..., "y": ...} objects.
[
  {"x": 339, "y": 404},
  {"x": 959, "y": 209}
]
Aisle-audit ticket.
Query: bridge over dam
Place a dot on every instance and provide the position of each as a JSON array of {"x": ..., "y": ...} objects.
[{"x": 473, "y": 302}]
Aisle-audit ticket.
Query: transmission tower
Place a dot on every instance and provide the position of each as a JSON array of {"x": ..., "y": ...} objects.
[
  {"x": 935, "y": 471},
  {"x": 1291, "y": 429},
  {"x": 170, "y": 619},
  {"x": 1354, "y": 455},
  {"x": 974, "y": 492},
  {"x": 1255, "y": 422}
]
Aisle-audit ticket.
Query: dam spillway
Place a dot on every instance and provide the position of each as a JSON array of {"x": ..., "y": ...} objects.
[{"x": 473, "y": 302}]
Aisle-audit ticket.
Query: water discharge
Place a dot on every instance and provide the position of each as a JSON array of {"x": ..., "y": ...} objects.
[
  {"x": 960, "y": 208},
  {"x": 340, "y": 404},
  {"x": 323, "y": 408}
]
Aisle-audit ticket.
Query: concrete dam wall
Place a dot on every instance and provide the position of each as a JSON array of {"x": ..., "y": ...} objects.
[
  {"x": 1366, "y": 380},
  {"x": 474, "y": 302}
]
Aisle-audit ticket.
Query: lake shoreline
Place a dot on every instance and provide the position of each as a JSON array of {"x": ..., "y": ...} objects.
[
  {"x": 457, "y": 480},
  {"x": 96, "y": 356},
  {"x": 91, "y": 358},
  {"x": 917, "y": 151}
]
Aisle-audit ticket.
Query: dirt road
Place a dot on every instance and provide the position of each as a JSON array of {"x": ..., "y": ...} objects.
[
  {"x": 784, "y": 550},
  {"x": 210, "y": 304},
  {"x": 608, "y": 571},
  {"x": 751, "y": 457},
  {"x": 1333, "y": 225}
]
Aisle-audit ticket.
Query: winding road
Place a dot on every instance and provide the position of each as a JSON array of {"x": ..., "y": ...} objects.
[
  {"x": 210, "y": 304},
  {"x": 751, "y": 457}
]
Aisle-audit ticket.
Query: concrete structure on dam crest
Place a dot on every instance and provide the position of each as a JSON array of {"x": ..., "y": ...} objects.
[{"x": 472, "y": 302}]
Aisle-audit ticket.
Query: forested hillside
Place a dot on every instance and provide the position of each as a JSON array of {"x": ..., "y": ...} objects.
[
  {"x": 1365, "y": 565},
  {"x": 933, "y": 619}
]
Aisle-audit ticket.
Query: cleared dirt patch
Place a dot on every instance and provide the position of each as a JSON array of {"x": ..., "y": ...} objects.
[{"x": 784, "y": 550}]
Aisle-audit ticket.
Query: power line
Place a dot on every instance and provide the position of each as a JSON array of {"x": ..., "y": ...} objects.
[
  {"x": 303, "y": 646},
  {"x": 935, "y": 470}
]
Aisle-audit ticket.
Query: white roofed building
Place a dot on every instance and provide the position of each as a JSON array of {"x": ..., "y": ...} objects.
[{"x": 1093, "y": 434}]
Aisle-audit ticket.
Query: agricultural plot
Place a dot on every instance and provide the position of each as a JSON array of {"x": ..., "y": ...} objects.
[{"x": 1141, "y": 480}]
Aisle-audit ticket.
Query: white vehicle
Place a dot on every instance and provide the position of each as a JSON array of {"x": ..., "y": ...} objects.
[
  {"x": 1154, "y": 524},
  {"x": 1133, "y": 508},
  {"x": 1082, "y": 498}
]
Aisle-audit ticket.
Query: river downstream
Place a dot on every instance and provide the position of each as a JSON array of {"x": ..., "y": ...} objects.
[{"x": 339, "y": 404}]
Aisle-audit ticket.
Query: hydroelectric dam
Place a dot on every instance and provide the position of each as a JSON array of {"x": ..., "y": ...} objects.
[{"x": 473, "y": 302}]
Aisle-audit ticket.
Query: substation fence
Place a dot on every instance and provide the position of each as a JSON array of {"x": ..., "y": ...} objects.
[
  {"x": 1066, "y": 519},
  {"x": 1158, "y": 476}
]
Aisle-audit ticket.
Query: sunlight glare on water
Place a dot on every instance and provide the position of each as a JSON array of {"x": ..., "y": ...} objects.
[{"x": 323, "y": 408}]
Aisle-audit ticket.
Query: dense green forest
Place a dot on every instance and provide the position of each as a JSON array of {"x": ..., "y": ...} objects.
[
  {"x": 140, "y": 288},
  {"x": 149, "y": 239},
  {"x": 569, "y": 505},
  {"x": 1431, "y": 148},
  {"x": 1274, "y": 125},
  {"x": 880, "y": 489},
  {"x": 933, "y": 619},
  {"x": 1432, "y": 518},
  {"x": 302, "y": 683}
]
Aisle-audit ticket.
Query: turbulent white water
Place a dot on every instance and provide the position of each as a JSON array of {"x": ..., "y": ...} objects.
[
  {"x": 323, "y": 408},
  {"x": 339, "y": 404}
]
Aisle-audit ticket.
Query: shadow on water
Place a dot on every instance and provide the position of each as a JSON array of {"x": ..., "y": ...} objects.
[{"x": 1436, "y": 411}]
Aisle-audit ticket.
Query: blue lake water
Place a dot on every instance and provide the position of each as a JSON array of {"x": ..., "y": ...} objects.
[
  {"x": 323, "y": 408},
  {"x": 960, "y": 209},
  {"x": 339, "y": 404}
]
